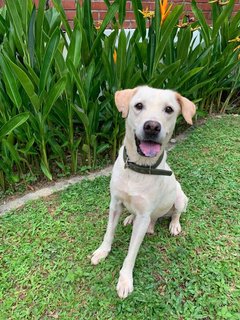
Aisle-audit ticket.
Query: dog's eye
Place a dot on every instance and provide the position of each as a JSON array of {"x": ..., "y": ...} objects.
[
  {"x": 168, "y": 109},
  {"x": 139, "y": 106}
]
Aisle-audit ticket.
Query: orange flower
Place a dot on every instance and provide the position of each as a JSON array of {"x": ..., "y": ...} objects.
[
  {"x": 115, "y": 56},
  {"x": 164, "y": 9}
]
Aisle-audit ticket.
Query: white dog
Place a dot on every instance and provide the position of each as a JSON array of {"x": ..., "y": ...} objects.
[{"x": 141, "y": 179}]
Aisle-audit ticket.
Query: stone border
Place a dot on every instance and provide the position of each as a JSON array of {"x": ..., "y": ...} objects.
[{"x": 47, "y": 191}]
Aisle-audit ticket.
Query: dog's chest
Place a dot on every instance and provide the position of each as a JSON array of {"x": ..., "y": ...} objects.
[{"x": 138, "y": 193}]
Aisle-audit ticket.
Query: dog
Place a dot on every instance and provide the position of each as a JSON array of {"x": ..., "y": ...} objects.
[{"x": 141, "y": 179}]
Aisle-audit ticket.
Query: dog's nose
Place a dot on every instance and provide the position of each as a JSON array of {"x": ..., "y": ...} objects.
[{"x": 152, "y": 127}]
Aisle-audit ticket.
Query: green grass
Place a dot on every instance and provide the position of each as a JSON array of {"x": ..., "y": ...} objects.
[{"x": 46, "y": 273}]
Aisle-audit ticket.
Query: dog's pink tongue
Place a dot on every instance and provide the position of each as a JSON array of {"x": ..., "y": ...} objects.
[{"x": 149, "y": 148}]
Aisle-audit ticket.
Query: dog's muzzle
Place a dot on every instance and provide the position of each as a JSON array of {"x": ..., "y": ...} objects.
[{"x": 149, "y": 145}]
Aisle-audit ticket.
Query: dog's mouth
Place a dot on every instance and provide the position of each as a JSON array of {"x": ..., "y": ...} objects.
[{"x": 147, "y": 148}]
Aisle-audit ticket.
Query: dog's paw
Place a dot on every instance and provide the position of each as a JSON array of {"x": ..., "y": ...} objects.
[
  {"x": 99, "y": 255},
  {"x": 129, "y": 220},
  {"x": 175, "y": 228},
  {"x": 124, "y": 286}
]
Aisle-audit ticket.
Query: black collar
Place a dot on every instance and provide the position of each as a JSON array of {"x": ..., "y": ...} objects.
[{"x": 145, "y": 169}]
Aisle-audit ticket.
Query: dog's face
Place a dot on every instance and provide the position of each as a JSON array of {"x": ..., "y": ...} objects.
[{"x": 151, "y": 116}]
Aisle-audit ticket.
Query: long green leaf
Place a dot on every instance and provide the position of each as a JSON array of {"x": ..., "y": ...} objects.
[
  {"x": 48, "y": 58},
  {"x": 151, "y": 49},
  {"x": 45, "y": 170},
  {"x": 108, "y": 17},
  {"x": 189, "y": 75},
  {"x": 10, "y": 83},
  {"x": 167, "y": 28},
  {"x": 39, "y": 30},
  {"x": 14, "y": 154},
  {"x": 205, "y": 28},
  {"x": 80, "y": 88},
  {"x": 17, "y": 24},
  {"x": 74, "y": 50},
  {"x": 3, "y": 25},
  {"x": 53, "y": 96},
  {"x": 88, "y": 20},
  {"x": 157, "y": 19},
  {"x": 82, "y": 116},
  {"x": 141, "y": 24},
  {"x": 13, "y": 123},
  {"x": 58, "y": 5},
  {"x": 31, "y": 36},
  {"x": 26, "y": 83},
  {"x": 226, "y": 12},
  {"x": 183, "y": 43},
  {"x": 198, "y": 86},
  {"x": 121, "y": 57},
  {"x": 166, "y": 72},
  {"x": 122, "y": 11}
]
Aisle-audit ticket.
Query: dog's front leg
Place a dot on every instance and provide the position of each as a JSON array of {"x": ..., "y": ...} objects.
[
  {"x": 104, "y": 249},
  {"x": 125, "y": 282}
]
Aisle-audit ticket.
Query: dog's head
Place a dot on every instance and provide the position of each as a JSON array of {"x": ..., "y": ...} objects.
[{"x": 151, "y": 116}]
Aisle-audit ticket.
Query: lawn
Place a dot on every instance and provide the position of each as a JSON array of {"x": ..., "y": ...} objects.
[{"x": 45, "y": 271}]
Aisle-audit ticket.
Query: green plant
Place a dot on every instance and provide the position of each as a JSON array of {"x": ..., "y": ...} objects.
[
  {"x": 9, "y": 154},
  {"x": 27, "y": 58},
  {"x": 66, "y": 80},
  {"x": 196, "y": 59}
]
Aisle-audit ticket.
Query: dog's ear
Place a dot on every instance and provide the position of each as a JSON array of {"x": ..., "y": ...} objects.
[
  {"x": 122, "y": 99},
  {"x": 188, "y": 108}
]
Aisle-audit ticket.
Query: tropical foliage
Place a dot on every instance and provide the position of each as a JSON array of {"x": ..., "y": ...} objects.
[{"x": 57, "y": 81}]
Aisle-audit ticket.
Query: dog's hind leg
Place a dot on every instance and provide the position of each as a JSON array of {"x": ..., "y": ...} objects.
[
  {"x": 129, "y": 220},
  {"x": 151, "y": 226},
  {"x": 104, "y": 249},
  {"x": 180, "y": 206}
]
